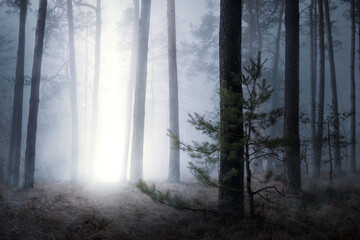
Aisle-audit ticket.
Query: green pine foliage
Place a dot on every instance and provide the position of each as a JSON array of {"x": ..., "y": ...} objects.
[{"x": 255, "y": 141}]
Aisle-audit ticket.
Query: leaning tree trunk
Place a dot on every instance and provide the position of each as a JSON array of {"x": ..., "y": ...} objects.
[
  {"x": 292, "y": 181},
  {"x": 34, "y": 97},
  {"x": 74, "y": 107},
  {"x": 130, "y": 91},
  {"x": 174, "y": 164},
  {"x": 231, "y": 195},
  {"x": 136, "y": 172},
  {"x": 352, "y": 95},
  {"x": 320, "y": 120},
  {"x": 335, "y": 109},
  {"x": 13, "y": 164},
  {"x": 95, "y": 97}
]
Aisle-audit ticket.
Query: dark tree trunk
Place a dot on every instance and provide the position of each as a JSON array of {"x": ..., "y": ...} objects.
[
  {"x": 292, "y": 181},
  {"x": 13, "y": 164},
  {"x": 335, "y": 109},
  {"x": 95, "y": 97},
  {"x": 34, "y": 97},
  {"x": 174, "y": 165},
  {"x": 136, "y": 172},
  {"x": 130, "y": 91},
  {"x": 320, "y": 120},
  {"x": 231, "y": 196},
  {"x": 74, "y": 107},
  {"x": 312, "y": 74},
  {"x": 352, "y": 95}
]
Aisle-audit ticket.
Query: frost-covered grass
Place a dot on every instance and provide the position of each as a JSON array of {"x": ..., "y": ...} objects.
[{"x": 108, "y": 211}]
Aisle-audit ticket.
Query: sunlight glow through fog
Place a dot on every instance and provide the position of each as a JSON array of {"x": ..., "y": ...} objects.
[{"x": 112, "y": 94}]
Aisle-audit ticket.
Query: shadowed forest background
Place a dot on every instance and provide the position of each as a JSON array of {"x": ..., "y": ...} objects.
[{"x": 185, "y": 119}]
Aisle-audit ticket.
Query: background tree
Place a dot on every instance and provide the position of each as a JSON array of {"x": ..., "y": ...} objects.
[
  {"x": 174, "y": 164},
  {"x": 136, "y": 172},
  {"x": 13, "y": 164},
  {"x": 352, "y": 89},
  {"x": 34, "y": 97},
  {"x": 74, "y": 107},
  {"x": 292, "y": 169},
  {"x": 335, "y": 108},
  {"x": 320, "y": 119},
  {"x": 130, "y": 91}
]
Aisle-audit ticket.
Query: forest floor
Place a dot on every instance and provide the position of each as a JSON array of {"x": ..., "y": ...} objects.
[{"x": 105, "y": 211}]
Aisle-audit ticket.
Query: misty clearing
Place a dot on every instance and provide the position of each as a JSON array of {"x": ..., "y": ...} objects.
[{"x": 179, "y": 119}]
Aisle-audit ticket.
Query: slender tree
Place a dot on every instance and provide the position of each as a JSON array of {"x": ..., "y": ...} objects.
[
  {"x": 231, "y": 196},
  {"x": 13, "y": 164},
  {"x": 74, "y": 107},
  {"x": 312, "y": 73},
  {"x": 320, "y": 119},
  {"x": 258, "y": 30},
  {"x": 275, "y": 75},
  {"x": 130, "y": 91},
  {"x": 174, "y": 164},
  {"x": 352, "y": 89},
  {"x": 292, "y": 181},
  {"x": 250, "y": 28},
  {"x": 95, "y": 96},
  {"x": 34, "y": 97},
  {"x": 136, "y": 172},
  {"x": 335, "y": 108}
]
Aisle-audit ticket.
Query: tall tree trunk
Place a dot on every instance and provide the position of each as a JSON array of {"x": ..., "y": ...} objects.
[
  {"x": 352, "y": 95},
  {"x": 74, "y": 107},
  {"x": 291, "y": 108},
  {"x": 250, "y": 29},
  {"x": 335, "y": 109},
  {"x": 320, "y": 120},
  {"x": 312, "y": 75},
  {"x": 95, "y": 98},
  {"x": 258, "y": 30},
  {"x": 231, "y": 196},
  {"x": 174, "y": 164},
  {"x": 130, "y": 91},
  {"x": 13, "y": 164},
  {"x": 275, "y": 75},
  {"x": 136, "y": 172},
  {"x": 34, "y": 97}
]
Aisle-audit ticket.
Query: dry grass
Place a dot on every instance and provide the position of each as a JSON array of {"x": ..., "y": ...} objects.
[{"x": 64, "y": 211}]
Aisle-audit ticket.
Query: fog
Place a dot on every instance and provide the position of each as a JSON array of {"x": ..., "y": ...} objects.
[{"x": 82, "y": 192}]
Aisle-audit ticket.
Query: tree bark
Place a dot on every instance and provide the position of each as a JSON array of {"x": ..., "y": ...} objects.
[
  {"x": 231, "y": 196},
  {"x": 292, "y": 169},
  {"x": 320, "y": 120},
  {"x": 312, "y": 75},
  {"x": 74, "y": 107},
  {"x": 13, "y": 164},
  {"x": 95, "y": 98},
  {"x": 335, "y": 109},
  {"x": 352, "y": 95},
  {"x": 174, "y": 164},
  {"x": 136, "y": 172},
  {"x": 130, "y": 91},
  {"x": 34, "y": 97}
]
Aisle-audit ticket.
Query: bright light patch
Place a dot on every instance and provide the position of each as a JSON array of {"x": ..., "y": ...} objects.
[{"x": 111, "y": 109}]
